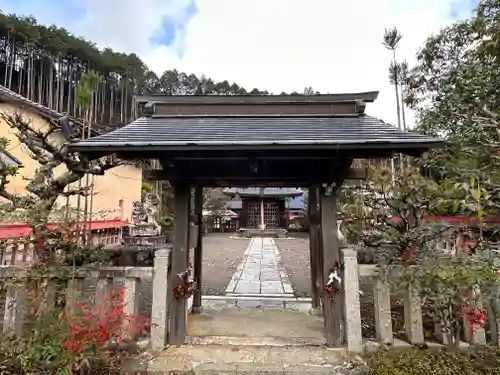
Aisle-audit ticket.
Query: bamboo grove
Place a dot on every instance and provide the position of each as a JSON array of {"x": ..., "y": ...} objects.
[{"x": 46, "y": 63}]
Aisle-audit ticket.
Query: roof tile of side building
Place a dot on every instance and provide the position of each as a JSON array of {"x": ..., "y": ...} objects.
[
  {"x": 10, "y": 96},
  {"x": 9, "y": 160}
]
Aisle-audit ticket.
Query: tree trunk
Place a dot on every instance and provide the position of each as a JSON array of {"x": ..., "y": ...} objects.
[
  {"x": 70, "y": 83},
  {"x": 8, "y": 55},
  {"x": 398, "y": 107},
  {"x": 79, "y": 197},
  {"x": 22, "y": 68},
  {"x": 74, "y": 101},
  {"x": 91, "y": 208},
  {"x": 58, "y": 83},
  {"x": 125, "y": 101},
  {"x": 12, "y": 61},
  {"x": 40, "y": 81},
  {"x": 111, "y": 105},
  {"x": 121, "y": 100},
  {"x": 28, "y": 75},
  {"x": 403, "y": 115},
  {"x": 51, "y": 85},
  {"x": 43, "y": 208},
  {"x": 89, "y": 116}
]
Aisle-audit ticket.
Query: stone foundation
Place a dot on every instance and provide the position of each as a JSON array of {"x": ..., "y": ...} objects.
[{"x": 273, "y": 233}]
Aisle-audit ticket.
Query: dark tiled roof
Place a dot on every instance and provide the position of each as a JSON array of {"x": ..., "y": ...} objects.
[
  {"x": 235, "y": 205},
  {"x": 13, "y": 97},
  {"x": 169, "y": 133},
  {"x": 290, "y": 192}
]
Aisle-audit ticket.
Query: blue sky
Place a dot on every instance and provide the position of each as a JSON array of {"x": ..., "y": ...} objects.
[
  {"x": 172, "y": 29},
  {"x": 277, "y": 45},
  {"x": 462, "y": 8},
  {"x": 62, "y": 12},
  {"x": 72, "y": 14}
]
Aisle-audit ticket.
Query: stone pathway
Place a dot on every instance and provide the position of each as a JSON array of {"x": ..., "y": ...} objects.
[{"x": 260, "y": 273}]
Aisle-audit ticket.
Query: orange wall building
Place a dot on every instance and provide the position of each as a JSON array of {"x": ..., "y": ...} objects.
[{"x": 114, "y": 192}]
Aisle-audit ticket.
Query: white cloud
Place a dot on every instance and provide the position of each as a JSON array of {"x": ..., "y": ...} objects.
[
  {"x": 127, "y": 25},
  {"x": 278, "y": 45}
]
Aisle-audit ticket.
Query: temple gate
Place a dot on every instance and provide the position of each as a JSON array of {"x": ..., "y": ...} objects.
[{"x": 257, "y": 141}]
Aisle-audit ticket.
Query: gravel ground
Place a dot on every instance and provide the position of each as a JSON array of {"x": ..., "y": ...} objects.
[
  {"x": 221, "y": 256},
  {"x": 295, "y": 258}
]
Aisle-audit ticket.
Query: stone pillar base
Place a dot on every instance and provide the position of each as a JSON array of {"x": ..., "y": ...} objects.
[
  {"x": 316, "y": 311},
  {"x": 196, "y": 309}
]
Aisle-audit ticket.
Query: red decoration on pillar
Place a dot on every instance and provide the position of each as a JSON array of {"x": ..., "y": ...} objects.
[
  {"x": 332, "y": 288},
  {"x": 185, "y": 287}
]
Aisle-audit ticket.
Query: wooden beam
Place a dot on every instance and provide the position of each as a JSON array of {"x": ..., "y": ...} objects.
[
  {"x": 332, "y": 307},
  {"x": 178, "y": 315},
  {"x": 198, "y": 251},
  {"x": 280, "y": 175}
]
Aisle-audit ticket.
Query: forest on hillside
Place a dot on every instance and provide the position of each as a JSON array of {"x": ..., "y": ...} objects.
[{"x": 46, "y": 63}]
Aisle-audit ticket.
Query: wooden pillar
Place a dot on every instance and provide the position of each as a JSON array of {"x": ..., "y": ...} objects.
[
  {"x": 319, "y": 246},
  {"x": 314, "y": 245},
  {"x": 198, "y": 251},
  {"x": 191, "y": 223},
  {"x": 178, "y": 315},
  {"x": 332, "y": 307}
]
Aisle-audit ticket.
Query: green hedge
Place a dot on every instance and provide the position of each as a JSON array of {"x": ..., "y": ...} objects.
[{"x": 435, "y": 362}]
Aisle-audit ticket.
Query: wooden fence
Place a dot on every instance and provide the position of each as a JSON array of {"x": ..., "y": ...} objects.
[{"x": 16, "y": 246}]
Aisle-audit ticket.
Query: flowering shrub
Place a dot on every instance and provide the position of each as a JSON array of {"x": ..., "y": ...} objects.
[
  {"x": 82, "y": 339},
  {"x": 454, "y": 289},
  {"x": 475, "y": 317},
  {"x": 94, "y": 329}
]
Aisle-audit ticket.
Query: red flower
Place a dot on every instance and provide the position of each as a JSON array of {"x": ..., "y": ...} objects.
[
  {"x": 475, "y": 318},
  {"x": 94, "y": 327}
]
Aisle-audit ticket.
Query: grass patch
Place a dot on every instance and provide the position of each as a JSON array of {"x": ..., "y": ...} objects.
[{"x": 415, "y": 361}]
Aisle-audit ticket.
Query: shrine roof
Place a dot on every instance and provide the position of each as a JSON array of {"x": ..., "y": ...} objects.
[
  {"x": 367, "y": 97},
  {"x": 160, "y": 133},
  {"x": 267, "y": 192}
]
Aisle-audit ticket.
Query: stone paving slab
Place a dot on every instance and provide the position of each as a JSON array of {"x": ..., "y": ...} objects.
[{"x": 260, "y": 271}]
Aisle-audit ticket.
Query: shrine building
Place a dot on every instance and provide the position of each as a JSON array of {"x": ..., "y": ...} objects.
[{"x": 257, "y": 207}]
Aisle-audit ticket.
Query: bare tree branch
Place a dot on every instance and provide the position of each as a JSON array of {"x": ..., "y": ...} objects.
[{"x": 50, "y": 154}]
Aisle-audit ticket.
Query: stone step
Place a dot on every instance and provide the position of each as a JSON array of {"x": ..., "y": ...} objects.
[
  {"x": 269, "y": 369},
  {"x": 256, "y": 341},
  {"x": 254, "y": 359},
  {"x": 261, "y": 295}
]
